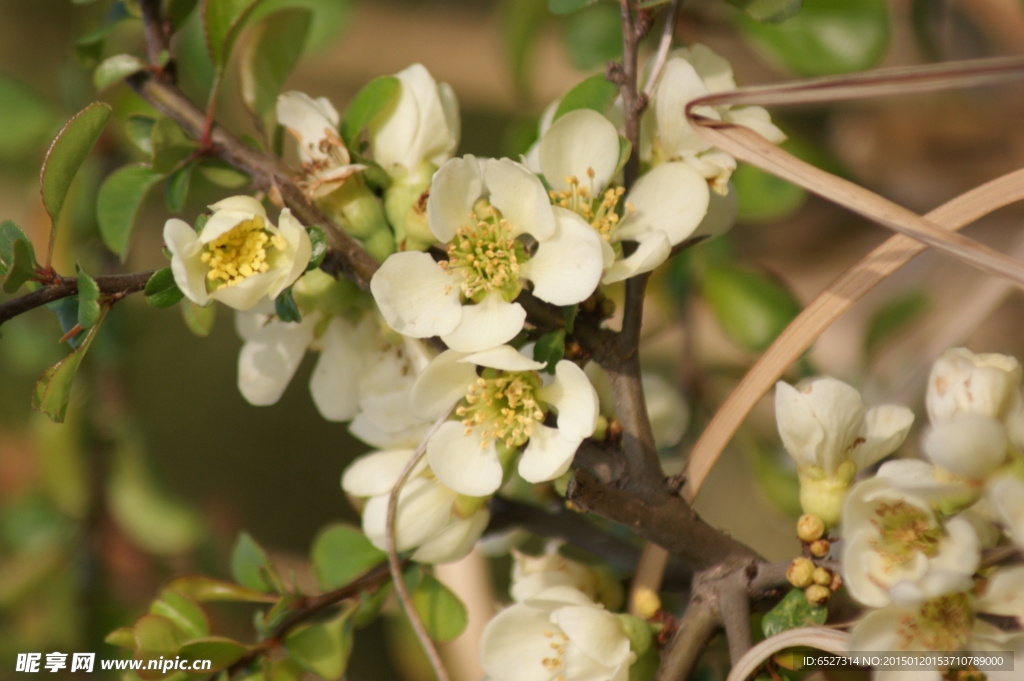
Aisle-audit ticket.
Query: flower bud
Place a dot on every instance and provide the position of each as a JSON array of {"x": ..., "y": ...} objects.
[
  {"x": 810, "y": 528},
  {"x": 822, "y": 576},
  {"x": 817, "y": 594},
  {"x": 800, "y": 572},
  {"x": 820, "y": 548}
]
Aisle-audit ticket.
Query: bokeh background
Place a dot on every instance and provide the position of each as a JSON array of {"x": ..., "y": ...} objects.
[{"x": 161, "y": 462}]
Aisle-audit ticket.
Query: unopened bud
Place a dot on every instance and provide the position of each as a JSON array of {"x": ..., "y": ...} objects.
[
  {"x": 810, "y": 528},
  {"x": 822, "y": 576},
  {"x": 817, "y": 594},
  {"x": 646, "y": 603},
  {"x": 800, "y": 572},
  {"x": 820, "y": 548}
]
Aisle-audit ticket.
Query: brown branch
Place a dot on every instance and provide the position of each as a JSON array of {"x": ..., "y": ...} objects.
[
  {"x": 696, "y": 628},
  {"x": 115, "y": 285},
  {"x": 157, "y": 39}
]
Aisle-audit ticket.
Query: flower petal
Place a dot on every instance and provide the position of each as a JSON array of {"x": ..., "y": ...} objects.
[
  {"x": 520, "y": 197},
  {"x": 416, "y": 297},
  {"x": 441, "y": 385},
  {"x": 672, "y": 198},
  {"x": 596, "y": 632},
  {"x": 297, "y": 255},
  {"x": 968, "y": 445},
  {"x": 462, "y": 463},
  {"x": 454, "y": 541},
  {"x": 566, "y": 268},
  {"x": 334, "y": 379},
  {"x": 486, "y": 324},
  {"x": 548, "y": 454},
  {"x": 679, "y": 85},
  {"x": 574, "y": 398},
  {"x": 424, "y": 508},
  {"x": 375, "y": 474},
  {"x": 309, "y": 121},
  {"x": 503, "y": 357},
  {"x": 578, "y": 143},
  {"x": 455, "y": 188},
  {"x": 189, "y": 271},
  {"x": 652, "y": 250},
  {"x": 515, "y": 644},
  {"x": 268, "y": 361}
]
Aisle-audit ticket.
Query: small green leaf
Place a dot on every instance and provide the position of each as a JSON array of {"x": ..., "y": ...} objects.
[
  {"x": 140, "y": 130},
  {"x": 521, "y": 23},
  {"x": 177, "y": 11},
  {"x": 771, "y": 11},
  {"x": 115, "y": 69},
  {"x": 752, "y": 308},
  {"x": 220, "y": 651},
  {"x": 177, "y": 187},
  {"x": 594, "y": 36},
  {"x": 375, "y": 97},
  {"x": 9, "y": 233},
  {"x": 550, "y": 348},
  {"x": 53, "y": 389},
  {"x": 204, "y": 589},
  {"x": 199, "y": 319},
  {"x": 323, "y": 649},
  {"x": 318, "y": 238},
  {"x": 67, "y": 153},
  {"x": 793, "y": 611},
  {"x": 22, "y": 265},
  {"x": 592, "y": 93},
  {"x": 171, "y": 146},
  {"x": 122, "y": 637},
  {"x": 892, "y": 317},
  {"x": 342, "y": 553},
  {"x": 221, "y": 174},
  {"x": 157, "y": 634},
  {"x": 183, "y": 611},
  {"x": 443, "y": 614},
  {"x": 118, "y": 203},
  {"x": 285, "y": 307},
  {"x": 270, "y": 54},
  {"x": 161, "y": 290},
  {"x": 568, "y": 6},
  {"x": 222, "y": 20},
  {"x": 88, "y": 299},
  {"x": 250, "y": 565},
  {"x": 826, "y": 37}
]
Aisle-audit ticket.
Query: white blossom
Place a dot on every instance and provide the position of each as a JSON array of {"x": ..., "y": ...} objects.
[
  {"x": 962, "y": 382},
  {"x": 314, "y": 124}
]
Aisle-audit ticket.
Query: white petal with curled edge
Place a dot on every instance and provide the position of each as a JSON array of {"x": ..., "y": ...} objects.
[
  {"x": 596, "y": 632},
  {"x": 679, "y": 85},
  {"x": 757, "y": 119},
  {"x": 514, "y": 645},
  {"x": 548, "y": 454},
  {"x": 672, "y": 198},
  {"x": 490, "y": 322},
  {"x": 393, "y": 135},
  {"x": 885, "y": 428},
  {"x": 248, "y": 293},
  {"x": 503, "y": 357},
  {"x": 462, "y": 463},
  {"x": 652, "y": 250},
  {"x": 268, "y": 361},
  {"x": 450, "y": 104},
  {"x": 574, "y": 398},
  {"x": 566, "y": 268},
  {"x": 713, "y": 69},
  {"x": 521, "y": 198},
  {"x": 416, "y": 297},
  {"x": 433, "y": 134},
  {"x": 801, "y": 432},
  {"x": 375, "y": 474},
  {"x": 227, "y": 213},
  {"x": 309, "y": 120},
  {"x": 186, "y": 249},
  {"x": 455, "y": 188},
  {"x": 333, "y": 384},
  {"x": 424, "y": 508},
  {"x": 291, "y": 263},
  {"x": 1004, "y": 593},
  {"x": 579, "y": 141},
  {"x": 442, "y": 383},
  {"x": 454, "y": 541}
]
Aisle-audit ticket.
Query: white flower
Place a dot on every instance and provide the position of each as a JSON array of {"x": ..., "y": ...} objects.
[
  {"x": 896, "y": 548},
  {"x": 557, "y": 634},
  {"x": 691, "y": 73},
  {"x": 962, "y": 382},
  {"x": 314, "y": 123},
  {"x": 467, "y": 299},
  {"x": 422, "y": 125},
  {"x": 240, "y": 258},
  {"x": 579, "y": 155},
  {"x": 440, "y": 524},
  {"x": 533, "y": 574},
  {"x": 967, "y": 445},
  {"x": 826, "y": 429},
  {"x": 500, "y": 411}
]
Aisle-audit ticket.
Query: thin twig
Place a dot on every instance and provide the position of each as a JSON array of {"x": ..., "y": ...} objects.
[
  {"x": 664, "y": 47},
  {"x": 116, "y": 285},
  {"x": 395, "y": 564}
]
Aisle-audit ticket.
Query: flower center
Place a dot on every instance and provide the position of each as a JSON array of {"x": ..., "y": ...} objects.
[
  {"x": 486, "y": 256},
  {"x": 906, "y": 531},
  {"x": 503, "y": 404},
  {"x": 942, "y": 624},
  {"x": 598, "y": 211},
  {"x": 239, "y": 253}
]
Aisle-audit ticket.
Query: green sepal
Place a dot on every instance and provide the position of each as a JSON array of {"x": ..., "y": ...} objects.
[
  {"x": 318, "y": 239},
  {"x": 285, "y": 307}
]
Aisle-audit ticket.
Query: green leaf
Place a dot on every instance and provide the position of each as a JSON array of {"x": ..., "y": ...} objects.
[
  {"x": 177, "y": 187},
  {"x": 763, "y": 197},
  {"x": 117, "y": 205},
  {"x": 826, "y": 37},
  {"x": 88, "y": 299},
  {"x": 892, "y": 317},
  {"x": 67, "y": 316},
  {"x": 140, "y": 130},
  {"x": 115, "y": 69},
  {"x": 323, "y": 649},
  {"x": 67, "y": 153},
  {"x": 177, "y": 11},
  {"x": 752, "y": 308},
  {"x": 443, "y": 614},
  {"x": 340, "y": 554},
  {"x": 768, "y": 10},
  {"x": 122, "y": 637},
  {"x": 26, "y": 119},
  {"x": 521, "y": 24},
  {"x": 594, "y": 36},
  {"x": 199, "y": 319},
  {"x": 318, "y": 238},
  {"x": 270, "y": 54},
  {"x": 793, "y": 611},
  {"x": 592, "y": 93},
  {"x": 204, "y": 589},
  {"x": 222, "y": 20},
  {"x": 330, "y": 18},
  {"x": 221, "y": 174},
  {"x": 157, "y": 634},
  {"x": 171, "y": 146},
  {"x": 567, "y": 6},
  {"x": 220, "y": 651},
  {"x": 550, "y": 348},
  {"x": 53, "y": 389},
  {"x": 22, "y": 265},
  {"x": 250, "y": 565},
  {"x": 375, "y": 97},
  {"x": 161, "y": 290},
  {"x": 183, "y": 611},
  {"x": 9, "y": 233},
  {"x": 285, "y": 307}
]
